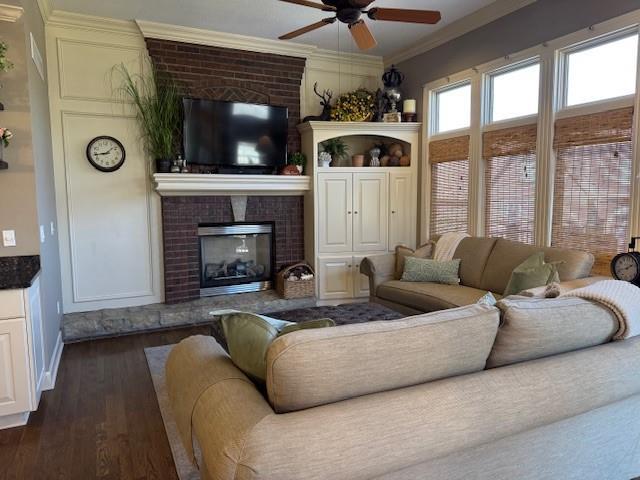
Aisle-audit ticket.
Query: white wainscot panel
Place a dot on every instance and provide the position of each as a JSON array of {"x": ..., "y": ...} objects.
[
  {"x": 87, "y": 69},
  {"x": 109, "y": 213}
]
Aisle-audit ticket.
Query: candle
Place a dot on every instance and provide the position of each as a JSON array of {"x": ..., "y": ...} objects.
[{"x": 409, "y": 106}]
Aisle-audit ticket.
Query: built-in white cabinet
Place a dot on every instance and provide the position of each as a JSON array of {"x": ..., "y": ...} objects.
[
  {"x": 340, "y": 278},
  {"x": 356, "y": 212},
  {"x": 22, "y": 364}
]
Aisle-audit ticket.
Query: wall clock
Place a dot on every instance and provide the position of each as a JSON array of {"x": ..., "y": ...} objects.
[
  {"x": 626, "y": 266},
  {"x": 106, "y": 154}
]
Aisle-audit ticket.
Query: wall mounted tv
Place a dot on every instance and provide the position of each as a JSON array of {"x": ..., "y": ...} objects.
[{"x": 235, "y": 137}]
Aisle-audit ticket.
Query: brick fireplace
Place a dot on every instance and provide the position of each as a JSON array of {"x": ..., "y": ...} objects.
[{"x": 183, "y": 215}]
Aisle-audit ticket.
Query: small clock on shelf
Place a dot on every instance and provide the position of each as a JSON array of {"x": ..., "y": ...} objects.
[
  {"x": 626, "y": 266},
  {"x": 106, "y": 154}
]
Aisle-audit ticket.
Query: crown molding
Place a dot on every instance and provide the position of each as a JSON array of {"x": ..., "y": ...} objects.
[
  {"x": 58, "y": 18},
  {"x": 10, "y": 13},
  {"x": 45, "y": 9},
  {"x": 458, "y": 28}
]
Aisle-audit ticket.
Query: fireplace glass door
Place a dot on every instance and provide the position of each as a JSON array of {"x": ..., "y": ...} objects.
[{"x": 235, "y": 258}]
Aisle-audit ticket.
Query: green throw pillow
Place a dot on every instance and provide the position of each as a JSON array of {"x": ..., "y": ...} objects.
[
  {"x": 532, "y": 273},
  {"x": 249, "y": 335},
  {"x": 426, "y": 270}
]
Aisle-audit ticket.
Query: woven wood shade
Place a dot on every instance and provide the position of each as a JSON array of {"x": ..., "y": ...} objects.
[
  {"x": 449, "y": 150},
  {"x": 592, "y": 196},
  {"x": 510, "y": 182}
]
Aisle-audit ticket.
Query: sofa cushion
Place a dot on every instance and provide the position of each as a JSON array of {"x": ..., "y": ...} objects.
[
  {"x": 402, "y": 252},
  {"x": 539, "y": 327},
  {"x": 427, "y": 270},
  {"x": 507, "y": 255},
  {"x": 317, "y": 367},
  {"x": 429, "y": 297},
  {"x": 531, "y": 273},
  {"x": 473, "y": 253}
]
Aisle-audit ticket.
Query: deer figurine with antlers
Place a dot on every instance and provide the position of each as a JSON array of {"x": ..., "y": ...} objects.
[{"x": 325, "y": 116}]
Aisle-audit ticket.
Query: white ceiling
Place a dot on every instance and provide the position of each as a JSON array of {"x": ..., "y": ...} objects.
[{"x": 272, "y": 18}]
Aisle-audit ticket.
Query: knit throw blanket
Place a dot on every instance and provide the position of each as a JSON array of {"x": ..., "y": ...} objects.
[
  {"x": 622, "y": 298},
  {"x": 447, "y": 245}
]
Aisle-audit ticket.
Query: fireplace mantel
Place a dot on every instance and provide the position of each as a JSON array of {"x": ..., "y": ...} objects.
[{"x": 189, "y": 184}]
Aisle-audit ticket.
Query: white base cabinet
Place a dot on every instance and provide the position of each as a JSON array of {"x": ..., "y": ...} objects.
[
  {"x": 355, "y": 212},
  {"x": 22, "y": 364}
]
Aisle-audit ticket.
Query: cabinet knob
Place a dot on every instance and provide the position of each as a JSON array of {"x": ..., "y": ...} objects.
[
  {"x": 393, "y": 211},
  {"x": 355, "y": 212},
  {"x": 349, "y": 266},
  {"x": 349, "y": 213}
]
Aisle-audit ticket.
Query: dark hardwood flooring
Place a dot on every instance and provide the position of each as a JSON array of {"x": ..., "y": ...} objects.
[{"x": 101, "y": 421}]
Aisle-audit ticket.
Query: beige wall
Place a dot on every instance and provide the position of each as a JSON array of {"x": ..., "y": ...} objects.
[{"x": 18, "y": 209}]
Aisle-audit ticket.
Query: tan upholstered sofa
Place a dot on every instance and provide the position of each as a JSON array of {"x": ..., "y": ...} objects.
[
  {"x": 486, "y": 266},
  {"x": 411, "y": 399}
]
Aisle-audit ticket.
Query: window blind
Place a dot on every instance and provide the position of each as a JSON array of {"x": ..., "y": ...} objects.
[
  {"x": 592, "y": 195},
  {"x": 449, "y": 161},
  {"x": 510, "y": 182}
]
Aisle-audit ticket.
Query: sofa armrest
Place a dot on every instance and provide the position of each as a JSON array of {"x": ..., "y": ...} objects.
[
  {"x": 564, "y": 286},
  {"x": 379, "y": 269},
  {"x": 213, "y": 402}
]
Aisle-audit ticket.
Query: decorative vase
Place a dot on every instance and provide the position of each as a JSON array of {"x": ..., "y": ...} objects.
[
  {"x": 384, "y": 161},
  {"x": 163, "y": 165},
  {"x": 289, "y": 170},
  {"x": 405, "y": 161},
  {"x": 357, "y": 161},
  {"x": 3, "y": 165},
  {"x": 375, "y": 157},
  {"x": 325, "y": 159},
  {"x": 300, "y": 169}
]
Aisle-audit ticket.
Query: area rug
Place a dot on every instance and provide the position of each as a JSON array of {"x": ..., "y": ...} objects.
[{"x": 157, "y": 358}]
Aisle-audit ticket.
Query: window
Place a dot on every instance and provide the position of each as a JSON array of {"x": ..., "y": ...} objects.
[
  {"x": 514, "y": 93},
  {"x": 510, "y": 183},
  {"x": 453, "y": 108},
  {"x": 607, "y": 70},
  {"x": 449, "y": 161},
  {"x": 592, "y": 197}
]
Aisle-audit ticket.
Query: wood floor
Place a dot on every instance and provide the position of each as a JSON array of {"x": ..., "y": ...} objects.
[{"x": 101, "y": 421}]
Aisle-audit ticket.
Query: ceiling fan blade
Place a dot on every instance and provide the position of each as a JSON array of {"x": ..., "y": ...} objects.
[
  {"x": 403, "y": 15},
  {"x": 306, "y": 3},
  {"x": 362, "y": 35},
  {"x": 308, "y": 28}
]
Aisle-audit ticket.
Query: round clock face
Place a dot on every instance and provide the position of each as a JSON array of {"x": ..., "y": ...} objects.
[
  {"x": 625, "y": 267},
  {"x": 105, "y": 154}
]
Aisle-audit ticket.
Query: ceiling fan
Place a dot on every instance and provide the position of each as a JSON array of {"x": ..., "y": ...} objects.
[{"x": 351, "y": 12}]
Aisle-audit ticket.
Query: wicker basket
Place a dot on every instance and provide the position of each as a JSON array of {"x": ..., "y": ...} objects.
[{"x": 295, "y": 289}]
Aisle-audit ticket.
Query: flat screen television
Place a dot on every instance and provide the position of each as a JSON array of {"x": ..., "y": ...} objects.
[{"x": 235, "y": 137}]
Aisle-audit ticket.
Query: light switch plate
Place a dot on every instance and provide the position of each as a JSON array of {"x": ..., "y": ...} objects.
[{"x": 9, "y": 238}]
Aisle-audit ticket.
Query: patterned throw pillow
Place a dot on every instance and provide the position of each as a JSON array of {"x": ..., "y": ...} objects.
[
  {"x": 402, "y": 252},
  {"x": 488, "y": 299},
  {"x": 425, "y": 270},
  {"x": 532, "y": 273},
  {"x": 249, "y": 335}
]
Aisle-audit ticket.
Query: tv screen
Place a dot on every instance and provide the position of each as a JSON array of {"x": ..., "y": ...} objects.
[{"x": 235, "y": 136}]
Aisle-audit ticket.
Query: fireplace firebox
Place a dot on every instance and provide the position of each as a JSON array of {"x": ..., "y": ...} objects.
[{"x": 236, "y": 258}]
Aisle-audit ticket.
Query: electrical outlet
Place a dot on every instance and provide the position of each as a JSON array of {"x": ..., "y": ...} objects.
[
  {"x": 53, "y": 229},
  {"x": 58, "y": 306},
  {"x": 9, "y": 238},
  {"x": 43, "y": 237}
]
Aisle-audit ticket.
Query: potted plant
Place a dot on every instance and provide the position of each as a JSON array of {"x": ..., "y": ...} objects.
[
  {"x": 299, "y": 160},
  {"x": 5, "y": 66},
  {"x": 337, "y": 148},
  {"x": 5, "y": 136},
  {"x": 156, "y": 100}
]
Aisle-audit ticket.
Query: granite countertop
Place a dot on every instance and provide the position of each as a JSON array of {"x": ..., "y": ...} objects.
[{"x": 18, "y": 272}]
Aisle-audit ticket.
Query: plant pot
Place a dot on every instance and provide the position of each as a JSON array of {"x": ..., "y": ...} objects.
[
  {"x": 300, "y": 168},
  {"x": 357, "y": 161},
  {"x": 163, "y": 165}
]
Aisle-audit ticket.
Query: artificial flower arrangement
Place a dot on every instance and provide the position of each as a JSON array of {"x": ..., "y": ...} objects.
[
  {"x": 5, "y": 136},
  {"x": 5, "y": 65},
  {"x": 357, "y": 106}
]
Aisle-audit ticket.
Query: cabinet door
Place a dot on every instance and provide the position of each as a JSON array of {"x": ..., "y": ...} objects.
[
  {"x": 402, "y": 220},
  {"x": 370, "y": 212},
  {"x": 335, "y": 199},
  {"x": 14, "y": 367},
  {"x": 336, "y": 278},
  {"x": 360, "y": 281},
  {"x": 34, "y": 319}
]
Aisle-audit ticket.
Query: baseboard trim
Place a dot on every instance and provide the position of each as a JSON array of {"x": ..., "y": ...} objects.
[
  {"x": 12, "y": 421},
  {"x": 51, "y": 375}
]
